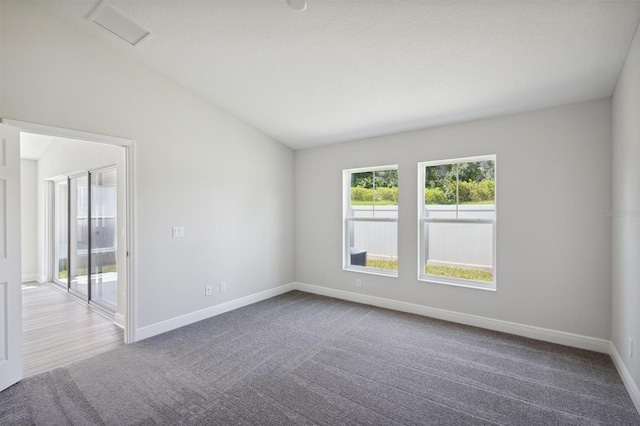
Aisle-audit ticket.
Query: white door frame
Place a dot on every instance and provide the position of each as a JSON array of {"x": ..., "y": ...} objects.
[{"x": 129, "y": 147}]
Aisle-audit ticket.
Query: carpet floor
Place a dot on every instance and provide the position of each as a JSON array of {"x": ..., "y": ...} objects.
[{"x": 306, "y": 359}]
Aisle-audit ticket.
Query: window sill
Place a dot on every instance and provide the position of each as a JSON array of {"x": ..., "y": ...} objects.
[
  {"x": 371, "y": 271},
  {"x": 476, "y": 285}
]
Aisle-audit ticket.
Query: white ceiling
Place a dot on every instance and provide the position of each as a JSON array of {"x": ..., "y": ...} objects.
[
  {"x": 32, "y": 146},
  {"x": 347, "y": 69}
]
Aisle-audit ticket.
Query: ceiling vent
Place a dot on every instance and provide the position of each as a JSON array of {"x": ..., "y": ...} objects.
[{"x": 116, "y": 22}]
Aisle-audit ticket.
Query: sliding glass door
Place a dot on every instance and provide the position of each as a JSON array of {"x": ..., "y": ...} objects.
[
  {"x": 84, "y": 236},
  {"x": 104, "y": 274},
  {"x": 79, "y": 241}
]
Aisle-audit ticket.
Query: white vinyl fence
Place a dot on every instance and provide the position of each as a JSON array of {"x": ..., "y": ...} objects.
[
  {"x": 468, "y": 245},
  {"x": 379, "y": 239}
]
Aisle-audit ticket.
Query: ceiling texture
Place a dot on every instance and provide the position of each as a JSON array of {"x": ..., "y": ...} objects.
[{"x": 348, "y": 69}]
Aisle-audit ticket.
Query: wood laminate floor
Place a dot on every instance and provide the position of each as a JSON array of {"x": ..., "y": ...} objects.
[{"x": 58, "y": 329}]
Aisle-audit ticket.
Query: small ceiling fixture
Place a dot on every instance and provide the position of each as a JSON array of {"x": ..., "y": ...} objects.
[
  {"x": 298, "y": 5},
  {"x": 116, "y": 22}
]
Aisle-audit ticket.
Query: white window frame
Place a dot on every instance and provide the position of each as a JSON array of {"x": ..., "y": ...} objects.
[
  {"x": 423, "y": 219},
  {"x": 348, "y": 218}
]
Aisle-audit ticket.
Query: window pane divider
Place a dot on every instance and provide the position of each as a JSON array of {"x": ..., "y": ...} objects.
[{"x": 372, "y": 219}]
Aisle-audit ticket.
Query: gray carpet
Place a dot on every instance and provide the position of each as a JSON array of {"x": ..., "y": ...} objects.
[{"x": 305, "y": 359}]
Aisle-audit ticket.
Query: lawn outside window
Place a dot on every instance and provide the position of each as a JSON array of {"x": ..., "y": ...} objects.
[
  {"x": 457, "y": 222},
  {"x": 370, "y": 212}
]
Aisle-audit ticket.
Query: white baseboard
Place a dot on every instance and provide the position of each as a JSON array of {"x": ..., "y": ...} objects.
[
  {"x": 30, "y": 277},
  {"x": 538, "y": 333},
  {"x": 190, "y": 318},
  {"x": 628, "y": 381},
  {"x": 119, "y": 320}
]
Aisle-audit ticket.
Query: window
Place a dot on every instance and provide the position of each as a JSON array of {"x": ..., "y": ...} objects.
[
  {"x": 371, "y": 220},
  {"x": 457, "y": 222}
]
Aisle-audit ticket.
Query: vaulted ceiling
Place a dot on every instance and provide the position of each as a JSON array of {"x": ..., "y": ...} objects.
[{"x": 348, "y": 69}]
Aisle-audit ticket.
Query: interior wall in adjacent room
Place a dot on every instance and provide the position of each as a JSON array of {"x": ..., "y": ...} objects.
[{"x": 28, "y": 201}]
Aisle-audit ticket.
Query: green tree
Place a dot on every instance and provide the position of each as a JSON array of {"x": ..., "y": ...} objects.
[
  {"x": 461, "y": 182},
  {"x": 381, "y": 179}
]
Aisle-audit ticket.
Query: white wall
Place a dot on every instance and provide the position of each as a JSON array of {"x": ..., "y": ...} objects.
[
  {"x": 65, "y": 156},
  {"x": 28, "y": 206},
  {"x": 626, "y": 203},
  {"x": 553, "y": 264},
  {"x": 230, "y": 186}
]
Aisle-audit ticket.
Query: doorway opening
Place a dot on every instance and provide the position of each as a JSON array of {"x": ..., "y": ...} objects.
[{"x": 77, "y": 240}]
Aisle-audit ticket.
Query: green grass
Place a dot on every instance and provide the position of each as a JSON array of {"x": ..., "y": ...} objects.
[
  {"x": 109, "y": 268},
  {"x": 464, "y": 203},
  {"x": 442, "y": 271},
  {"x": 389, "y": 265},
  {"x": 453, "y": 272}
]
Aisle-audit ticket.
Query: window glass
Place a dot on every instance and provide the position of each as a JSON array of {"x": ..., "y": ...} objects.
[
  {"x": 371, "y": 220},
  {"x": 458, "y": 221}
]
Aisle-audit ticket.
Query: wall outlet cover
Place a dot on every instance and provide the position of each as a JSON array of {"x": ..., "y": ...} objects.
[{"x": 177, "y": 231}]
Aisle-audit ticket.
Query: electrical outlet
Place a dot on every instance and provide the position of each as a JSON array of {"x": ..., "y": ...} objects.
[
  {"x": 207, "y": 290},
  {"x": 358, "y": 283},
  {"x": 177, "y": 232},
  {"x": 223, "y": 287},
  {"x": 630, "y": 347}
]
